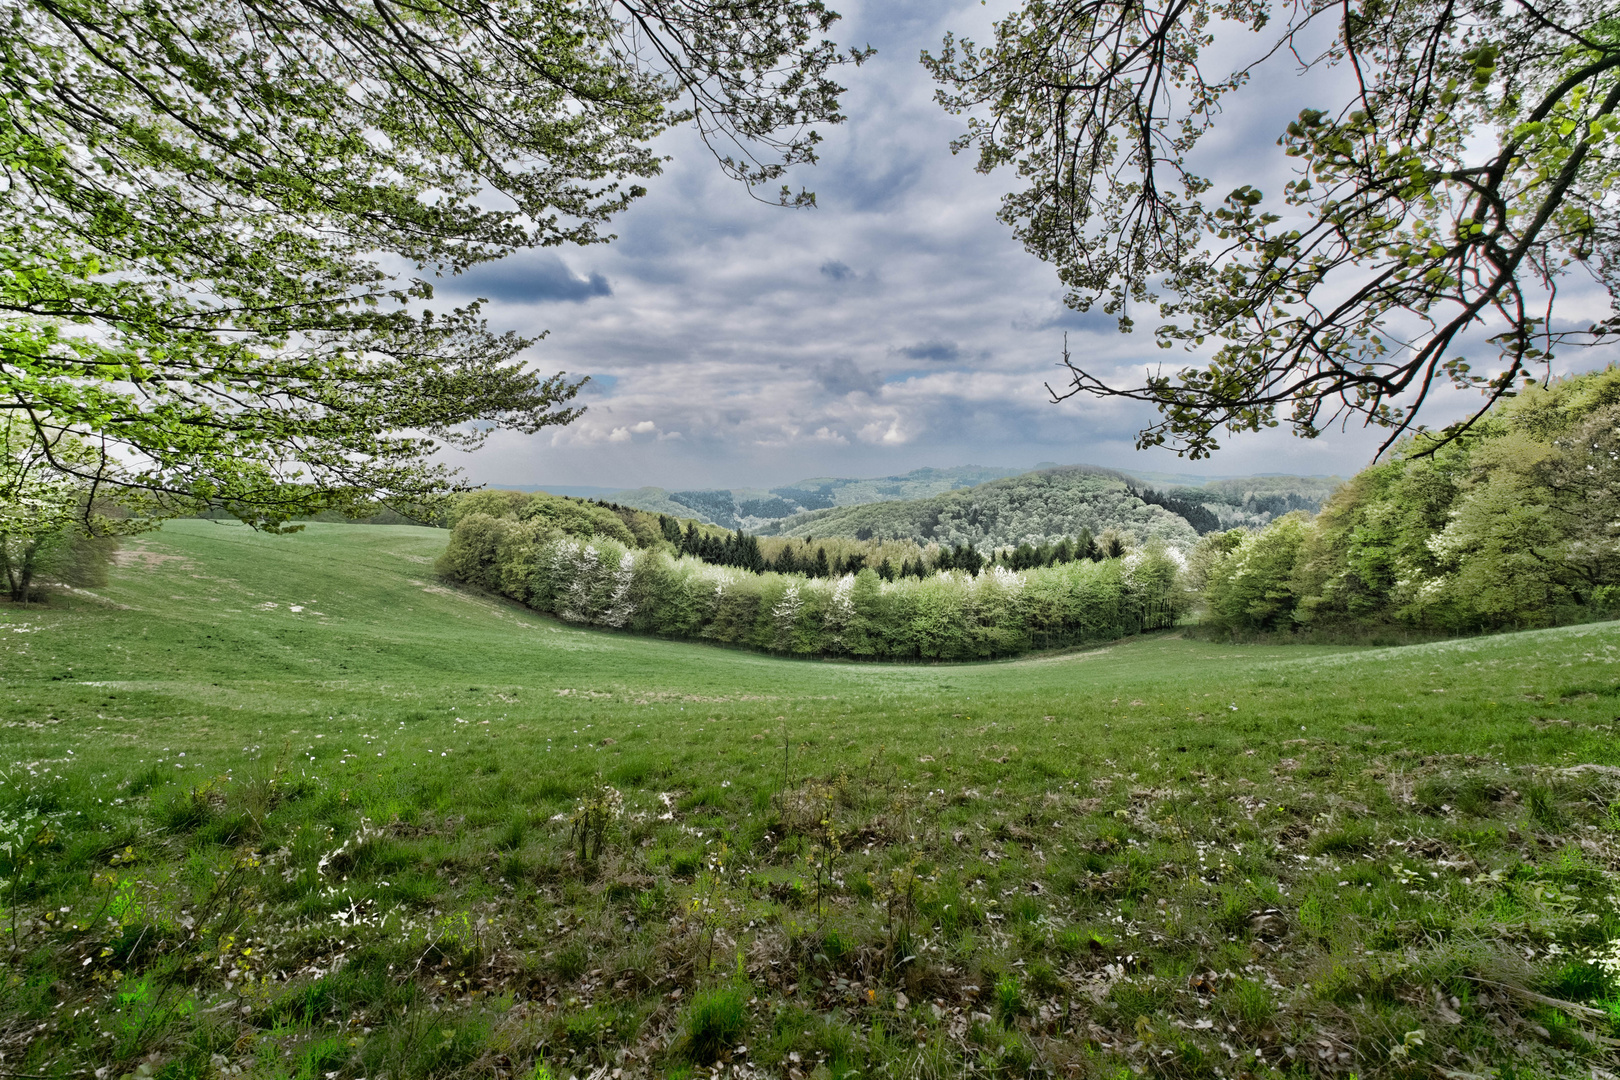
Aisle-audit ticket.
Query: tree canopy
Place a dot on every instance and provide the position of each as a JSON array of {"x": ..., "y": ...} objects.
[
  {"x": 220, "y": 220},
  {"x": 1517, "y": 524},
  {"x": 1436, "y": 210}
]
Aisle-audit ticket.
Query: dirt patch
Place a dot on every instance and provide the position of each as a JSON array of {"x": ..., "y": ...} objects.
[{"x": 142, "y": 559}]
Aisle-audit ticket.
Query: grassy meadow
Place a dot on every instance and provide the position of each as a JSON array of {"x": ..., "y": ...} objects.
[{"x": 291, "y": 807}]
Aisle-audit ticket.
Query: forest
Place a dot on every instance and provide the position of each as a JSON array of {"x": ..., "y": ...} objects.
[
  {"x": 1514, "y": 524},
  {"x": 1034, "y": 508},
  {"x": 955, "y": 606}
]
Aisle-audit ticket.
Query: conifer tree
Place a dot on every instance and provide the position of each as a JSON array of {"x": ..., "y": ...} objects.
[
  {"x": 753, "y": 559},
  {"x": 967, "y": 558},
  {"x": 822, "y": 567},
  {"x": 785, "y": 562},
  {"x": 1085, "y": 546},
  {"x": 885, "y": 569}
]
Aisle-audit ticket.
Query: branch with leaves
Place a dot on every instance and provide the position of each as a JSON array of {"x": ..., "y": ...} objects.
[
  {"x": 1436, "y": 211},
  {"x": 221, "y": 220}
]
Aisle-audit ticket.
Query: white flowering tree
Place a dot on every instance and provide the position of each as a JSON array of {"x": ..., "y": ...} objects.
[{"x": 49, "y": 524}]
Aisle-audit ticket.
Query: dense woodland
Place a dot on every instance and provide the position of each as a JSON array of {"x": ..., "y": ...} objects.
[
  {"x": 1516, "y": 524},
  {"x": 755, "y": 508},
  {"x": 939, "y": 603},
  {"x": 1035, "y": 508},
  {"x": 1252, "y": 501}
]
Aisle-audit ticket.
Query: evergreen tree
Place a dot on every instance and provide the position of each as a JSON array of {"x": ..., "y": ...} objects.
[
  {"x": 785, "y": 562},
  {"x": 1064, "y": 552},
  {"x": 692, "y": 543},
  {"x": 753, "y": 559},
  {"x": 943, "y": 560},
  {"x": 822, "y": 568},
  {"x": 885, "y": 569},
  {"x": 670, "y": 528},
  {"x": 854, "y": 564},
  {"x": 1085, "y": 546},
  {"x": 967, "y": 558}
]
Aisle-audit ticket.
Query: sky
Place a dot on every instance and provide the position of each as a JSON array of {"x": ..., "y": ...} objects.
[{"x": 734, "y": 343}]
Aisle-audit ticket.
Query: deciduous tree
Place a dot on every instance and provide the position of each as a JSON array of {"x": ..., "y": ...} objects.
[
  {"x": 1435, "y": 211},
  {"x": 52, "y": 526},
  {"x": 221, "y": 220}
]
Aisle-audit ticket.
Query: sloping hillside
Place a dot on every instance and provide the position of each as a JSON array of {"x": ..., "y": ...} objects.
[
  {"x": 1035, "y": 507},
  {"x": 1252, "y": 501},
  {"x": 753, "y": 508}
]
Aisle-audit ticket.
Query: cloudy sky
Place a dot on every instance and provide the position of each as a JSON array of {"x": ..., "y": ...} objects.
[{"x": 897, "y": 325}]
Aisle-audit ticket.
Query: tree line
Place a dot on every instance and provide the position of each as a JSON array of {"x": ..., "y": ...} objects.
[
  {"x": 978, "y": 609},
  {"x": 1036, "y": 507},
  {"x": 782, "y": 556}
]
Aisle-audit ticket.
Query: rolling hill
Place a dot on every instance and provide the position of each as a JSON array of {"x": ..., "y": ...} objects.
[
  {"x": 1225, "y": 502},
  {"x": 1034, "y": 507},
  {"x": 306, "y": 762},
  {"x": 753, "y": 508}
]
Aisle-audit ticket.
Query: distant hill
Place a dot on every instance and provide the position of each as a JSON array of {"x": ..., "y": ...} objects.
[
  {"x": 754, "y": 508},
  {"x": 1035, "y": 507},
  {"x": 1221, "y": 502},
  {"x": 1252, "y": 501}
]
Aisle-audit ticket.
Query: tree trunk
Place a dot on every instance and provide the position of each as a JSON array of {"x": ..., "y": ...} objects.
[{"x": 18, "y": 565}]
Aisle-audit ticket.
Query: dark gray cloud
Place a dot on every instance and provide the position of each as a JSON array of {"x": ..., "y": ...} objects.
[
  {"x": 840, "y": 376},
  {"x": 521, "y": 279},
  {"x": 836, "y": 270},
  {"x": 1095, "y": 321},
  {"x": 942, "y": 351}
]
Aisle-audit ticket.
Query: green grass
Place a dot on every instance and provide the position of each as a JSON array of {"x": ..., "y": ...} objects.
[{"x": 344, "y": 840}]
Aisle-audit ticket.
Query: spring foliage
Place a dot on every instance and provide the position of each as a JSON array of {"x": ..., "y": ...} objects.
[
  {"x": 1516, "y": 525},
  {"x": 950, "y": 615},
  {"x": 221, "y": 220},
  {"x": 1037, "y": 507}
]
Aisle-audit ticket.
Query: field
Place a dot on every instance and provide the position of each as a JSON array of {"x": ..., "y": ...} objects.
[{"x": 303, "y": 811}]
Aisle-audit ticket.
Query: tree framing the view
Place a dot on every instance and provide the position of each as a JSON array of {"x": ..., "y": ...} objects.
[
  {"x": 1467, "y": 175},
  {"x": 220, "y": 219}
]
